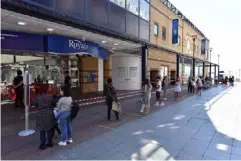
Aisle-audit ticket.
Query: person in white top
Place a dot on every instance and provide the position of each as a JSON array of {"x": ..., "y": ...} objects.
[
  {"x": 177, "y": 88},
  {"x": 159, "y": 101},
  {"x": 64, "y": 115}
]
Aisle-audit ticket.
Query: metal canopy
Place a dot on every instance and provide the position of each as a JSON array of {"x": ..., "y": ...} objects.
[{"x": 180, "y": 15}]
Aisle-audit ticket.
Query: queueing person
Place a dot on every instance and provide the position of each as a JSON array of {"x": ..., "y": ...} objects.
[
  {"x": 67, "y": 81},
  {"x": 189, "y": 88},
  {"x": 177, "y": 88},
  {"x": 159, "y": 101},
  {"x": 147, "y": 89},
  {"x": 18, "y": 85},
  {"x": 199, "y": 86},
  {"x": 64, "y": 115},
  {"x": 45, "y": 122},
  {"x": 110, "y": 97},
  {"x": 165, "y": 87}
]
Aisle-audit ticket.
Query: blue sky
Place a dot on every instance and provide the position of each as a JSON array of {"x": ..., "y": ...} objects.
[{"x": 220, "y": 21}]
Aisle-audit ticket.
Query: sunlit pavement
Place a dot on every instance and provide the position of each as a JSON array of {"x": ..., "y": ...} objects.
[{"x": 206, "y": 127}]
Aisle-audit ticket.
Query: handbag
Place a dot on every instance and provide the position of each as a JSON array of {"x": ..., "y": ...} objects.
[
  {"x": 116, "y": 106},
  {"x": 142, "y": 107}
]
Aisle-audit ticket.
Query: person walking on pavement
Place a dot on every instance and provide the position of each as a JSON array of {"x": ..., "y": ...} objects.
[
  {"x": 45, "y": 121},
  {"x": 110, "y": 97},
  {"x": 177, "y": 88},
  {"x": 165, "y": 87},
  {"x": 18, "y": 85},
  {"x": 159, "y": 101},
  {"x": 64, "y": 115},
  {"x": 147, "y": 89}
]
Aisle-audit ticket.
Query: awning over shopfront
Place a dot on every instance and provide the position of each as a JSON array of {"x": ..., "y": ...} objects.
[
  {"x": 22, "y": 41},
  {"x": 51, "y": 44}
]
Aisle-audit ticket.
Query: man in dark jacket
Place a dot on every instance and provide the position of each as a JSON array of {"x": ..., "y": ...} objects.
[
  {"x": 45, "y": 117},
  {"x": 18, "y": 84}
]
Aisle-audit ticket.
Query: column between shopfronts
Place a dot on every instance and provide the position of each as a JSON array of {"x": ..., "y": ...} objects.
[
  {"x": 203, "y": 69},
  {"x": 144, "y": 62},
  {"x": 177, "y": 65}
]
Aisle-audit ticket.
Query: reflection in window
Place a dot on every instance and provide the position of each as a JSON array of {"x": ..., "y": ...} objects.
[
  {"x": 119, "y": 2},
  {"x": 121, "y": 71},
  {"x": 144, "y": 10},
  {"x": 132, "y": 72},
  {"x": 133, "y": 6},
  {"x": 155, "y": 29}
]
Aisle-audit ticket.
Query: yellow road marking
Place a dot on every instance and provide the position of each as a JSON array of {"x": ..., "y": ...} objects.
[
  {"x": 107, "y": 127},
  {"x": 133, "y": 114}
]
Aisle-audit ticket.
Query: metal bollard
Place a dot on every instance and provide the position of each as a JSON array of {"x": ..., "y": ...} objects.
[{"x": 26, "y": 82}]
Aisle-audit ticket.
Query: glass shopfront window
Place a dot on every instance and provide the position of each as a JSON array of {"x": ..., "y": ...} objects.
[
  {"x": 180, "y": 67},
  {"x": 187, "y": 69},
  {"x": 198, "y": 69},
  {"x": 144, "y": 10},
  {"x": 121, "y": 3},
  {"x": 133, "y": 6}
]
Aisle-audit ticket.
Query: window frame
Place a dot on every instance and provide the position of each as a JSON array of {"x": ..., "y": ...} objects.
[
  {"x": 164, "y": 35},
  {"x": 156, "y": 25}
]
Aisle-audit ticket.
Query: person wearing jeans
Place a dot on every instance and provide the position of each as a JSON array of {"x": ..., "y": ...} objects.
[
  {"x": 66, "y": 127},
  {"x": 64, "y": 109}
]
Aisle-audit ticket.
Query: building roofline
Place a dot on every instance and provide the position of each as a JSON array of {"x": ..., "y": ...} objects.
[{"x": 171, "y": 7}]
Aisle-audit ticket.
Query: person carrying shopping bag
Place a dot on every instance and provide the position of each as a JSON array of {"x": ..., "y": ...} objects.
[
  {"x": 111, "y": 98},
  {"x": 147, "y": 87}
]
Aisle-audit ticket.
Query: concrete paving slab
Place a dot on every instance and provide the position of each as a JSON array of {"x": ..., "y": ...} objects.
[
  {"x": 202, "y": 134},
  {"x": 196, "y": 146},
  {"x": 235, "y": 157},
  {"x": 187, "y": 155},
  {"x": 236, "y": 150}
]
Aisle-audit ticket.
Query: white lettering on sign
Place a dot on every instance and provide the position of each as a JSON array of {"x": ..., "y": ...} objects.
[{"x": 76, "y": 44}]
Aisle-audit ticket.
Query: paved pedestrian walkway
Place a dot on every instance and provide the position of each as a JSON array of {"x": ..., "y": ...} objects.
[{"x": 205, "y": 127}]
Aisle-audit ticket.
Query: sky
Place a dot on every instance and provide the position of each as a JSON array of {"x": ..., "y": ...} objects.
[{"x": 220, "y": 21}]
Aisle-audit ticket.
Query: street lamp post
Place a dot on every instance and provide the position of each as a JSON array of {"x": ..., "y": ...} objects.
[
  {"x": 218, "y": 59},
  {"x": 211, "y": 49},
  {"x": 194, "y": 37}
]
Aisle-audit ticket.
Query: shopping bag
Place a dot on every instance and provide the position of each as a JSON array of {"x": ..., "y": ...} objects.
[
  {"x": 142, "y": 107},
  {"x": 116, "y": 106}
]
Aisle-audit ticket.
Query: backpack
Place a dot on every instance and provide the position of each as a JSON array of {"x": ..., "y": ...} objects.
[
  {"x": 163, "y": 84},
  {"x": 74, "y": 110}
]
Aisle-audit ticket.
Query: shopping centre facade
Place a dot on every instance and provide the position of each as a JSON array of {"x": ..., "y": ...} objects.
[{"x": 128, "y": 40}]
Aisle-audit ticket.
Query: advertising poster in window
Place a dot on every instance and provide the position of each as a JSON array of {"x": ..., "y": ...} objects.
[
  {"x": 144, "y": 10},
  {"x": 133, "y": 6},
  {"x": 119, "y": 2},
  {"x": 175, "y": 35},
  {"x": 203, "y": 46}
]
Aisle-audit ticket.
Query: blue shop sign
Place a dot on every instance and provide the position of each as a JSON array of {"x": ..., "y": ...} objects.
[
  {"x": 22, "y": 41},
  {"x": 66, "y": 45}
]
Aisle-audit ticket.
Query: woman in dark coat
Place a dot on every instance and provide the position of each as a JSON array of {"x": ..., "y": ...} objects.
[
  {"x": 110, "y": 97},
  {"x": 45, "y": 118}
]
